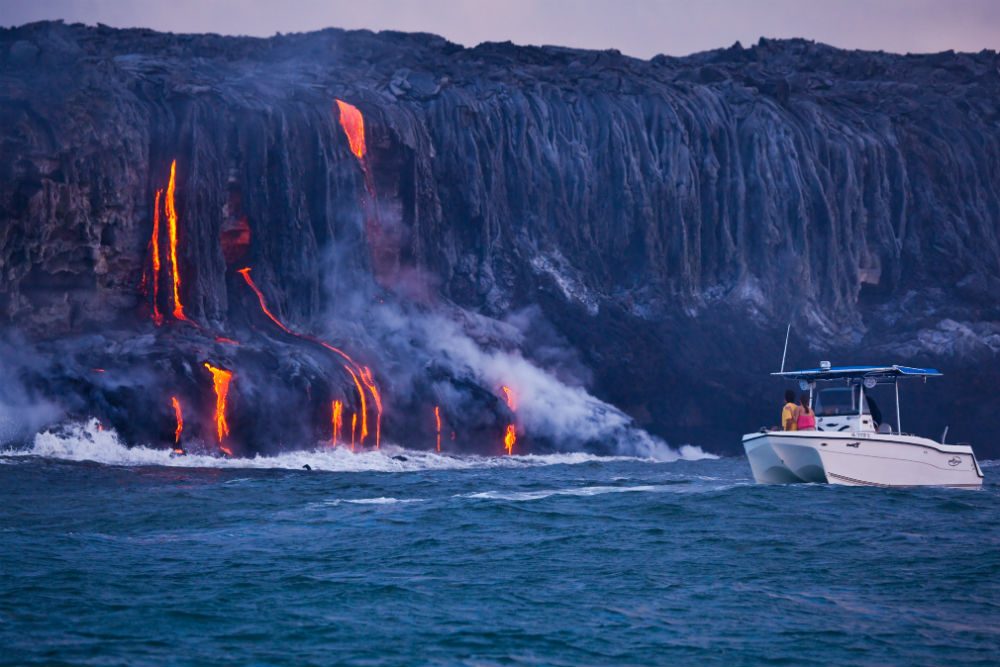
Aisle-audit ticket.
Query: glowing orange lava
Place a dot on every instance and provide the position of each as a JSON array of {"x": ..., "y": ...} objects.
[
  {"x": 437, "y": 419},
  {"x": 354, "y": 127},
  {"x": 351, "y": 366},
  {"x": 245, "y": 272},
  {"x": 337, "y": 419},
  {"x": 155, "y": 246},
  {"x": 227, "y": 341},
  {"x": 354, "y": 428},
  {"x": 221, "y": 379},
  {"x": 171, "y": 212},
  {"x": 366, "y": 377},
  {"x": 509, "y": 439},
  {"x": 180, "y": 419},
  {"x": 364, "y": 408},
  {"x": 508, "y": 395}
]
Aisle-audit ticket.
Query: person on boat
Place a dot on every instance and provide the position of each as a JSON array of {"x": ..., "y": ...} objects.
[
  {"x": 789, "y": 413},
  {"x": 807, "y": 418}
]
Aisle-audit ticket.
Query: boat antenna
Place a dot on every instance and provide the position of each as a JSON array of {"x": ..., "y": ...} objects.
[{"x": 784, "y": 354}]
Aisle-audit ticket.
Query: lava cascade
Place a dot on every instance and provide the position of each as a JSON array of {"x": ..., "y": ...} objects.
[
  {"x": 508, "y": 397},
  {"x": 353, "y": 368},
  {"x": 369, "y": 381},
  {"x": 245, "y": 272},
  {"x": 383, "y": 243},
  {"x": 437, "y": 423},
  {"x": 337, "y": 420},
  {"x": 179, "y": 417},
  {"x": 154, "y": 245},
  {"x": 221, "y": 379},
  {"x": 509, "y": 439},
  {"x": 171, "y": 211},
  {"x": 354, "y": 127}
]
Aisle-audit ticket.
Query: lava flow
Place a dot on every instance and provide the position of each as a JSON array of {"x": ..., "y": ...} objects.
[
  {"x": 366, "y": 377},
  {"x": 221, "y": 379},
  {"x": 180, "y": 419},
  {"x": 337, "y": 419},
  {"x": 364, "y": 408},
  {"x": 352, "y": 368},
  {"x": 437, "y": 420},
  {"x": 508, "y": 396},
  {"x": 155, "y": 248},
  {"x": 354, "y": 127},
  {"x": 245, "y": 272},
  {"x": 383, "y": 242},
  {"x": 171, "y": 212},
  {"x": 509, "y": 439},
  {"x": 354, "y": 428}
]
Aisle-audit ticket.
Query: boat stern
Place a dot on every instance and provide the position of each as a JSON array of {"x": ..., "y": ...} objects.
[{"x": 783, "y": 461}]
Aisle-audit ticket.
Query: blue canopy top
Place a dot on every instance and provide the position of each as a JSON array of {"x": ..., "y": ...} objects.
[{"x": 881, "y": 374}]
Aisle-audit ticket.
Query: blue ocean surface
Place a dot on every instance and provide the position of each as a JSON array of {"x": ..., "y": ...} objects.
[{"x": 128, "y": 557}]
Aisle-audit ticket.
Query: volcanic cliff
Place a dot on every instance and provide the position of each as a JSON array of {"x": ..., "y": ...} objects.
[{"x": 622, "y": 242}]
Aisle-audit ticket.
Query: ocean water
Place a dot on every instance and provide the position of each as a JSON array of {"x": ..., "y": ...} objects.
[{"x": 111, "y": 556}]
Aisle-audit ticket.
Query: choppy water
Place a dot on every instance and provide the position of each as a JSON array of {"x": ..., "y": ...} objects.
[{"x": 563, "y": 560}]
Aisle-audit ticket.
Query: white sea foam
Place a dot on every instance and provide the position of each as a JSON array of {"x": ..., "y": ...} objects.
[
  {"x": 584, "y": 491},
  {"x": 88, "y": 442},
  {"x": 574, "y": 491},
  {"x": 375, "y": 501}
]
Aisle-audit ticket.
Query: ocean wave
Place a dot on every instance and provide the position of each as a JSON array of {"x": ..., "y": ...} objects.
[
  {"x": 87, "y": 441},
  {"x": 382, "y": 500},
  {"x": 519, "y": 496}
]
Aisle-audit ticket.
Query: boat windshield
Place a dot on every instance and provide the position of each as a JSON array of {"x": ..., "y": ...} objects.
[{"x": 837, "y": 401}]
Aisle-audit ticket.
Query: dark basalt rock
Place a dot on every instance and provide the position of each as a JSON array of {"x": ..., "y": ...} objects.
[{"x": 666, "y": 218}]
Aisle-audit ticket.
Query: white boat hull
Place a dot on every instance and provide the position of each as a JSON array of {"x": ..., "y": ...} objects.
[{"x": 859, "y": 459}]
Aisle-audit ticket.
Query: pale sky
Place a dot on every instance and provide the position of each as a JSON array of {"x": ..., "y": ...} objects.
[{"x": 640, "y": 28}]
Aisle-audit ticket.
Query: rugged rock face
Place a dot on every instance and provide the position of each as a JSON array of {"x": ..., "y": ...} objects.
[{"x": 641, "y": 230}]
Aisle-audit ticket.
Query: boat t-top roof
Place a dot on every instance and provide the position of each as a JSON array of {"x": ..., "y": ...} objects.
[{"x": 880, "y": 374}]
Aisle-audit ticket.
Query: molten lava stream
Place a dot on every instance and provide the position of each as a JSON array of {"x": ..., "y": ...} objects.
[
  {"x": 508, "y": 396},
  {"x": 171, "y": 212},
  {"x": 366, "y": 377},
  {"x": 221, "y": 379},
  {"x": 154, "y": 244},
  {"x": 364, "y": 408},
  {"x": 354, "y": 127},
  {"x": 354, "y": 428},
  {"x": 179, "y": 416},
  {"x": 352, "y": 367},
  {"x": 509, "y": 439},
  {"x": 337, "y": 420},
  {"x": 245, "y": 272},
  {"x": 437, "y": 420}
]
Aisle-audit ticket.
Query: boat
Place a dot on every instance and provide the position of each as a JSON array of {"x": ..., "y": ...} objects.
[{"x": 853, "y": 444}]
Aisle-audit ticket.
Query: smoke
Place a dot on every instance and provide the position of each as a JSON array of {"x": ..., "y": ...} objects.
[
  {"x": 549, "y": 407},
  {"x": 22, "y": 412},
  {"x": 440, "y": 354}
]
